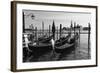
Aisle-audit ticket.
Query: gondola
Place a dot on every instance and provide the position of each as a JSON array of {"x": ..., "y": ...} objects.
[
  {"x": 67, "y": 45},
  {"x": 45, "y": 40},
  {"x": 40, "y": 48},
  {"x": 62, "y": 40},
  {"x": 41, "y": 45}
]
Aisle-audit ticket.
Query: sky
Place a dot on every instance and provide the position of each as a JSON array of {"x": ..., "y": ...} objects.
[{"x": 47, "y": 17}]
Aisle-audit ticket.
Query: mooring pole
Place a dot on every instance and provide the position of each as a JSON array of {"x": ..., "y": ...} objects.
[
  {"x": 89, "y": 28},
  {"x": 33, "y": 30},
  {"x": 74, "y": 28},
  {"x": 40, "y": 32},
  {"x": 75, "y": 41},
  {"x": 60, "y": 32},
  {"x": 33, "y": 33},
  {"x": 49, "y": 30},
  {"x": 43, "y": 28},
  {"x": 36, "y": 33},
  {"x": 23, "y": 23},
  {"x": 57, "y": 32},
  {"x": 71, "y": 28},
  {"x": 79, "y": 39}
]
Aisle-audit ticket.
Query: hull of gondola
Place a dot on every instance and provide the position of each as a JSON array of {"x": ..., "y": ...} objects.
[
  {"x": 65, "y": 48},
  {"x": 62, "y": 41},
  {"x": 40, "y": 49},
  {"x": 46, "y": 40}
]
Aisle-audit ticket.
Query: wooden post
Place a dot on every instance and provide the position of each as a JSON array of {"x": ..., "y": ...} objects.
[
  {"x": 49, "y": 30},
  {"x": 79, "y": 39},
  {"x": 32, "y": 29},
  {"x": 40, "y": 32},
  {"x": 75, "y": 41},
  {"x": 42, "y": 28},
  {"x": 33, "y": 33},
  {"x": 23, "y": 23},
  {"x": 74, "y": 28},
  {"x": 57, "y": 32},
  {"x": 60, "y": 32},
  {"x": 36, "y": 33},
  {"x": 89, "y": 28},
  {"x": 71, "y": 28}
]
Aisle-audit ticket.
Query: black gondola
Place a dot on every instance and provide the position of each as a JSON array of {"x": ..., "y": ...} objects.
[
  {"x": 62, "y": 45},
  {"x": 64, "y": 48},
  {"x": 67, "y": 45},
  {"x": 40, "y": 48},
  {"x": 45, "y": 40},
  {"x": 62, "y": 41}
]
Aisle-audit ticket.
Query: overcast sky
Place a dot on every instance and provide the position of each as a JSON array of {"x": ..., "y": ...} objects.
[{"x": 63, "y": 18}]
